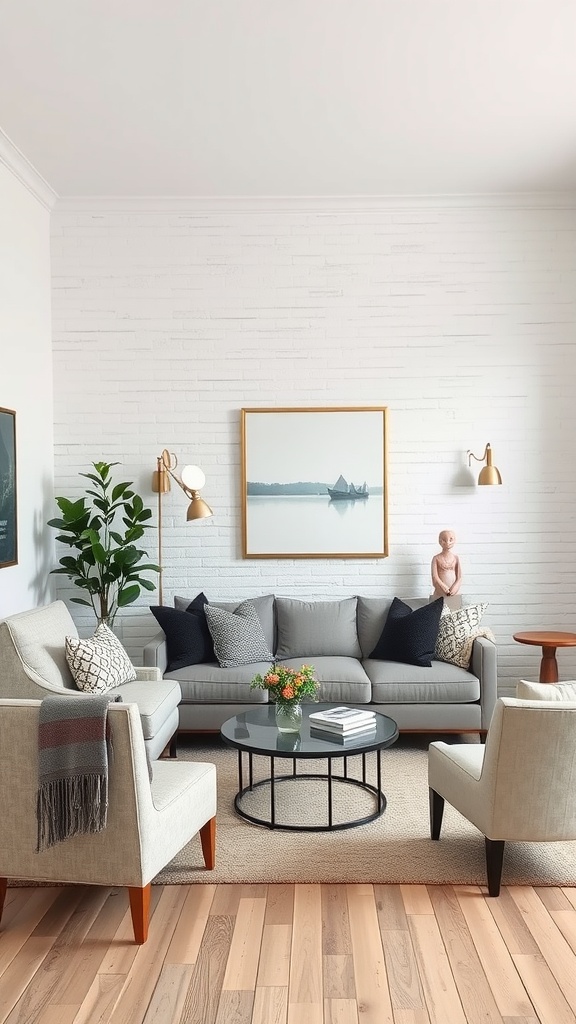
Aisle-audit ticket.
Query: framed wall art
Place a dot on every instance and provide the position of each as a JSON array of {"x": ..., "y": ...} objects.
[
  {"x": 314, "y": 483},
  {"x": 8, "y": 517}
]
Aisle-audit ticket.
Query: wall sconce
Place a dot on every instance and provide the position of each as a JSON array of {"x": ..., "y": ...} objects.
[
  {"x": 489, "y": 474},
  {"x": 191, "y": 481}
]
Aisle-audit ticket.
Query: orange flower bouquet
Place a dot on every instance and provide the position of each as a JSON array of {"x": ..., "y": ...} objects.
[{"x": 288, "y": 686}]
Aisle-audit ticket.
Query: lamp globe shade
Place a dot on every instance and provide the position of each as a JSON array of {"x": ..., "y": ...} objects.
[{"x": 193, "y": 477}]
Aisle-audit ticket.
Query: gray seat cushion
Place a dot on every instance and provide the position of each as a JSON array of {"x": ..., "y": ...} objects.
[
  {"x": 394, "y": 682},
  {"x": 211, "y": 684},
  {"x": 342, "y": 680}
]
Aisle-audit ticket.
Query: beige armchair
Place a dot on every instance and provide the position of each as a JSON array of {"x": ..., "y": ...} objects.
[
  {"x": 33, "y": 665},
  {"x": 519, "y": 787},
  {"x": 148, "y": 822}
]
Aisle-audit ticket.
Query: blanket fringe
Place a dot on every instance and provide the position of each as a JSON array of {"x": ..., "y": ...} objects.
[{"x": 69, "y": 807}]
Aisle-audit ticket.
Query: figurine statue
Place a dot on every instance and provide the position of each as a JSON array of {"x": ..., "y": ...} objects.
[{"x": 446, "y": 573}]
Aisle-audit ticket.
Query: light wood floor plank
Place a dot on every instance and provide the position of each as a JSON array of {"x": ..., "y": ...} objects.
[
  {"x": 513, "y": 928},
  {"x": 15, "y": 989},
  {"x": 101, "y": 998},
  {"x": 335, "y": 923},
  {"x": 553, "y": 897},
  {"x": 242, "y": 964},
  {"x": 371, "y": 983},
  {"x": 416, "y": 899},
  {"x": 545, "y": 995},
  {"x": 390, "y": 908},
  {"x": 274, "y": 965},
  {"x": 187, "y": 938},
  {"x": 475, "y": 995},
  {"x": 20, "y": 928},
  {"x": 270, "y": 1005},
  {"x": 340, "y": 1011},
  {"x": 442, "y": 999},
  {"x": 305, "y": 987},
  {"x": 509, "y": 992},
  {"x": 565, "y": 921},
  {"x": 201, "y": 1004},
  {"x": 169, "y": 995},
  {"x": 235, "y": 1007},
  {"x": 338, "y": 976},
  {"x": 280, "y": 904},
  {"x": 556, "y": 951}
]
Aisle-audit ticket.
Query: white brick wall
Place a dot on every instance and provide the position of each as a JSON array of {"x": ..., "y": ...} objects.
[{"x": 458, "y": 315}]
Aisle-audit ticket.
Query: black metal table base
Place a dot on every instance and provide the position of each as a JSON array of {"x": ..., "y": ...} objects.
[{"x": 274, "y": 780}]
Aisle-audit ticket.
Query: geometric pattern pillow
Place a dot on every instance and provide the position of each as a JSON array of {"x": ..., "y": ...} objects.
[
  {"x": 565, "y": 691},
  {"x": 457, "y": 633},
  {"x": 238, "y": 636},
  {"x": 100, "y": 662}
]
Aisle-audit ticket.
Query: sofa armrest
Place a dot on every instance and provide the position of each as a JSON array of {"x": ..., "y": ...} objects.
[
  {"x": 156, "y": 653},
  {"x": 484, "y": 665},
  {"x": 148, "y": 675}
]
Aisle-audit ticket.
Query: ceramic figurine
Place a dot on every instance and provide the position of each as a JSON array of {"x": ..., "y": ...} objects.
[{"x": 446, "y": 573}]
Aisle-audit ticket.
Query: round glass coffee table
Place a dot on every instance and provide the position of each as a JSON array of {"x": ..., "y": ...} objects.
[{"x": 255, "y": 732}]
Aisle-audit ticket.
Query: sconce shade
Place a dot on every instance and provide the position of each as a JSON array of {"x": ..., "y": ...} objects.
[{"x": 489, "y": 474}]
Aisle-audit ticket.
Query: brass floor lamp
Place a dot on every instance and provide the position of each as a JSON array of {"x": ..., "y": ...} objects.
[{"x": 191, "y": 481}]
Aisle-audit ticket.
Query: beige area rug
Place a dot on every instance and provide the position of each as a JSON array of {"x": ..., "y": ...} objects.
[{"x": 395, "y": 848}]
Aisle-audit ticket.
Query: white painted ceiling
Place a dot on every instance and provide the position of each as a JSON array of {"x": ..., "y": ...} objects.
[{"x": 291, "y": 97}]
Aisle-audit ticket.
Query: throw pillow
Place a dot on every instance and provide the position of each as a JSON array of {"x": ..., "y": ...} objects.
[
  {"x": 188, "y": 640},
  {"x": 197, "y": 607},
  {"x": 409, "y": 636},
  {"x": 238, "y": 636},
  {"x": 566, "y": 691},
  {"x": 99, "y": 663},
  {"x": 457, "y": 633},
  {"x": 315, "y": 629}
]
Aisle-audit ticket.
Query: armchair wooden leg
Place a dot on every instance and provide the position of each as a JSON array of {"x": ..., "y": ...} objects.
[
  {"x": 436, "y": 813},
  {"x": 173, "y": 748},
  {"x": 3, "y": 888},
  {"x": 208, "y": 840},
  {"x": 494, "y": 860},
  {"x": 140, "y": 910}
]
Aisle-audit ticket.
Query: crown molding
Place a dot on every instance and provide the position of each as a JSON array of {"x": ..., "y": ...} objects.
[
  {"x": 25, "y": 172},
  {"x": 202, "y": 205}
]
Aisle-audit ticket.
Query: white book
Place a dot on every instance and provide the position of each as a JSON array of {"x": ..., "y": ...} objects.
[
  {"x": 341, "y": 718},
  {"x": 343, "y": 732},
  {"x": 321, "y": 732}
]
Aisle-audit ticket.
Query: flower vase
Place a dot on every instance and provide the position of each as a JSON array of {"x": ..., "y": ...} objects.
[{"x": 289, "y": 717}]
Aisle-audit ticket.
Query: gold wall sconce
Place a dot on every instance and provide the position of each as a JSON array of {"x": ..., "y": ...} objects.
[
  {"x": 191, "y": 481},
  {"x": 489, "y": 474}
]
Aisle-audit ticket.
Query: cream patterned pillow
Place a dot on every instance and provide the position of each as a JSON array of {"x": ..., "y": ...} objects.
[
  {"x": 526, "y": 690},
  {"x": 457, "y": 633},
  {"x": 99, "y": 663}
]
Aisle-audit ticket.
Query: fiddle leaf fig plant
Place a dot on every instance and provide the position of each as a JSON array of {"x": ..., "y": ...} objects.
[{"x": 102, "y": 528}]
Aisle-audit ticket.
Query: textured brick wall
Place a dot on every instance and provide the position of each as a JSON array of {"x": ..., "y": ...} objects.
[{"x": 459, "y": 315}]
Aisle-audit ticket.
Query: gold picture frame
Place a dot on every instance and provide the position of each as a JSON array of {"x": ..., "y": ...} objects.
[{"x": 314, "y": 482}]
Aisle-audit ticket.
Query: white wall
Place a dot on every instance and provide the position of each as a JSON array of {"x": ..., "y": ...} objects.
[
  {"x": 458, "y": 315},
  {"x": 26, "y": 384}
]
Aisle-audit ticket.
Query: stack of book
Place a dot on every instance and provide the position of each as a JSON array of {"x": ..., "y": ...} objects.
[{"x": 343, "y": 723}]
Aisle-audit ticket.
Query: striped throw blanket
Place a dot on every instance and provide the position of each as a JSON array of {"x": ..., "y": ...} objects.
[{"x": 72, "y": 767}]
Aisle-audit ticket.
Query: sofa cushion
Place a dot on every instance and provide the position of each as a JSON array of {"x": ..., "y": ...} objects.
[
  {"x": 409, "y": 636},
  {"x": 98, "y": 663},
  {"x": 264, "y": 607},
  {"x": 211, "y": 684},
  {"x": 188, "y": 639},
  {"x": 442, "y": 683},
  {"x": 312, "y": 629},
  {"x": 238, "y": 636},
  {"x": 371, "y": 616},
  {"x": 457, "y": 632},
  {"x": 342, "y": 680},
  {"x": 155, "y": 702},
  {"x": 565, "y": 691}
]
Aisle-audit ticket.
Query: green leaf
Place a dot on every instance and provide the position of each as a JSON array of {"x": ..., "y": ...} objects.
[
  {"x": 148, "y": 585},
  {"x": 80, "y": 600},
  {"x": 127, "y": 595},
  {"x": 120, "y": 490},
  {"x": 99, "y": 553}
]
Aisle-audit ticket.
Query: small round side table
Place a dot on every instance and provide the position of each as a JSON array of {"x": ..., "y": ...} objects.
[{"x": 548, "y": 641}]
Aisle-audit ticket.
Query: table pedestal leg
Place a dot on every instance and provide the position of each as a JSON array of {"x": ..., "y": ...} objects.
[{"x": 548, "y": 666}]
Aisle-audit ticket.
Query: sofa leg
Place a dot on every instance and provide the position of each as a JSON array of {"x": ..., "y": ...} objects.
[
  {"x": 140, "y": 910},
  {"x": 173, "y": 745},
  {"x": 494, "y": 861},
  {"x": 436, "y": 813},
  {"x": 208, "y": 840},
  {"x": 3, "y": 888}
]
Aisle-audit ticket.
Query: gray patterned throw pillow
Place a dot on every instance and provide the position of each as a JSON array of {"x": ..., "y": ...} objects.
[
  {"x": 99, "y": 663},
  {"x": 238, "y": 636}
]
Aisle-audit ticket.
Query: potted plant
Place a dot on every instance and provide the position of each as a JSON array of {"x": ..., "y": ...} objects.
[{"x": 107, "y": 564}]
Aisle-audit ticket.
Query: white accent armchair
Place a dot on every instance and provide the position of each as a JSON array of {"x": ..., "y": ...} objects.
[
  {"x": 33, "y": 665},
  {"x": 519, "y": 787},
  {"x": 148, "y": 822}
]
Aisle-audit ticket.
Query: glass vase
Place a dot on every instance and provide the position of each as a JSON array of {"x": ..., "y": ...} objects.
[{"x": 289, "y": 717}]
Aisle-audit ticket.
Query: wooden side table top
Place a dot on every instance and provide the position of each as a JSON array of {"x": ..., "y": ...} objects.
[{"x": 546, "y": 638}]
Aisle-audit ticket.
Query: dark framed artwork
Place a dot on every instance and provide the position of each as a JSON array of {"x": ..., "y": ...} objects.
[
  {"x": 8, "y": 514},
  {"x": 314, "y": 483}
]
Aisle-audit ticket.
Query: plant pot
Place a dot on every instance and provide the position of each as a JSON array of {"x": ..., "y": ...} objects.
[{"x": 288, "y": 717}]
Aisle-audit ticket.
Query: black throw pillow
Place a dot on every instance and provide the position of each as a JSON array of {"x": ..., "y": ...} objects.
[
  {"x": 197, "y": 608},
  {"x": 409, "y": 636},
  {"x": 185, "y": 637}
]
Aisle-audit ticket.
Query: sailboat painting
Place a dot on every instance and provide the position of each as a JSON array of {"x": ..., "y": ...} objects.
[{"x": 314, "y": 483}]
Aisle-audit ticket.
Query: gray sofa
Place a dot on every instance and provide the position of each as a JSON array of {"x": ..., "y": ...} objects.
[{"x": 337, "y": 637}]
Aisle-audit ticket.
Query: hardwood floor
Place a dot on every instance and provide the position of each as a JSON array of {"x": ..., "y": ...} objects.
[{"x": 284, "y": 954}]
